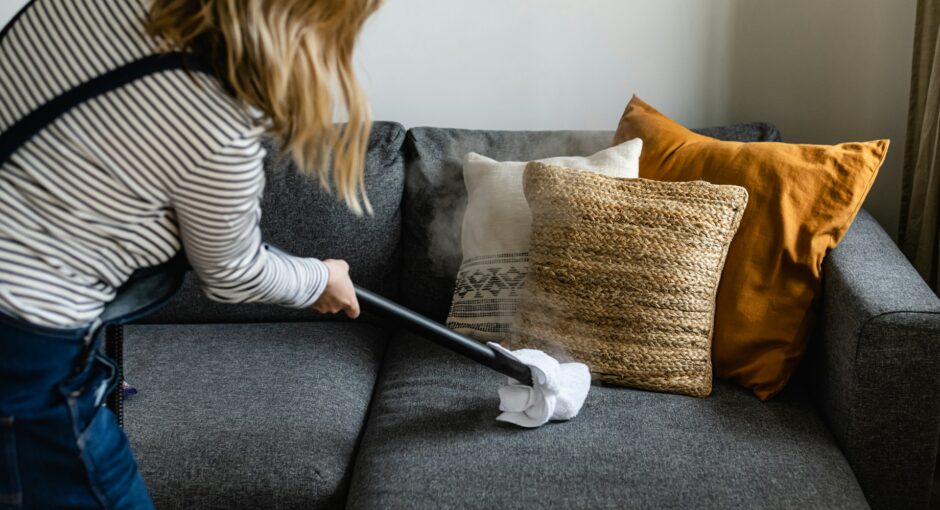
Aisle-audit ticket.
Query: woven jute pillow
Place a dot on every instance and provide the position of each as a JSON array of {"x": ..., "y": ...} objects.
[
  {"x": 495, "y": 236},
  {"x": 623, "y": 275}
]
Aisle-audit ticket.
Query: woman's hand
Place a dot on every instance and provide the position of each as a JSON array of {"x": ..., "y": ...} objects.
[{"x": 339, "y": 295}]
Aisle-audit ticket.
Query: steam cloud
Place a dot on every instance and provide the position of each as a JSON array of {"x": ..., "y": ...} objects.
[{"x": 448, "y": 197}]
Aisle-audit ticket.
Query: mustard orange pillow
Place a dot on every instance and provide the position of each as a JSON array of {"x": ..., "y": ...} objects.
[{"x": 803, "y": 199}]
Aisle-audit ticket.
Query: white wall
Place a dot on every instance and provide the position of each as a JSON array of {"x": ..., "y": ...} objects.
[
  {"x": 8, "y": 8},
  {"x": 823, "y": 71}
]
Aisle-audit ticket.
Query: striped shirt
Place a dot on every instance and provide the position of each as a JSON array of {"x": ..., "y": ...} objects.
[{"x": 128, "y": 178}]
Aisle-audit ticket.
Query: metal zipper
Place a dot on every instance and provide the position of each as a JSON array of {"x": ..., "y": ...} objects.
[{"x": 114, "y": 349}]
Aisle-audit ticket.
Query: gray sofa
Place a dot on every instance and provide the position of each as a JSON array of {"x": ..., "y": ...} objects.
[{"x": 261, "y": 407}]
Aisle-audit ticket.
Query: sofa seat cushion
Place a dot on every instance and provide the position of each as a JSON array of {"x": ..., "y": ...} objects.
[
  {"x": 249, "y": 415},
  {"x": 432, "y": 442}
]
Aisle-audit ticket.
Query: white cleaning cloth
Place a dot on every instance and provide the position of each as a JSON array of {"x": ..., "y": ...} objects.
[{"x": 557, "y": 393}]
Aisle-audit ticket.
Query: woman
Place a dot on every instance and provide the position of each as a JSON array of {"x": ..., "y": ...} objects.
[{"x": 145, "y": 159}]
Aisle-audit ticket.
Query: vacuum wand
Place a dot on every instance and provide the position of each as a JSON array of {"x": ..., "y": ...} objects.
[{"x": 416, "y": 323}]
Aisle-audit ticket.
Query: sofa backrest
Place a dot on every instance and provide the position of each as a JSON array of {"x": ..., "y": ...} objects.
[
  {"x": 410, "y": 248},
  {"x": 301, "y": 218},
  {"x": 435, "y": 196}
]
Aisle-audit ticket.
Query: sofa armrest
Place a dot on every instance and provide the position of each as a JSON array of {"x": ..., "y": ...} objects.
[{"x": 879, "y": 366}]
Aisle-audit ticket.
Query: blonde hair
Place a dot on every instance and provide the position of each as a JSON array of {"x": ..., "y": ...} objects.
[{"x": 292, "y": 60}]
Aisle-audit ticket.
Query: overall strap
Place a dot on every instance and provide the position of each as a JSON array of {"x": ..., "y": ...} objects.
[
  {"x": 147, "y": 289},
  {"x": 34, "y": 122}
]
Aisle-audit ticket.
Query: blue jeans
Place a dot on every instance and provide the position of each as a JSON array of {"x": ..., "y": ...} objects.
[{"x": 59, "y": 446}]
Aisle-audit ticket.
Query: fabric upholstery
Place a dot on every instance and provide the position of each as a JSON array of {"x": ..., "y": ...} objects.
[
  {"x": 878, "y": 366},
  {"x": 624, "y": 273},
  {"x": 802, "y": 201},
  {"x": 435, "y": 194},
  {"x": 249, "y": 415},
  {"x": 301, "y": 218},
  {"x": 495, "y": 236},
  {"x": 432, "y": 442}
]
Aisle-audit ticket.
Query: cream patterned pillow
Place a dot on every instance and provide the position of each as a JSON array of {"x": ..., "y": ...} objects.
[
  {"x": 495, "y": 238},
  {"x": 624, "y": 275}
]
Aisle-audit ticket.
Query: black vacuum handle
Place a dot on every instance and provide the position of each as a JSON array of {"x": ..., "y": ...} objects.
[{"x": 441, "y": 335}]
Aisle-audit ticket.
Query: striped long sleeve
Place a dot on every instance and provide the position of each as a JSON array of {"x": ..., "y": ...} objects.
[
  {"x": 125, "y": 180},
  {"x": 218, "y": 209}
]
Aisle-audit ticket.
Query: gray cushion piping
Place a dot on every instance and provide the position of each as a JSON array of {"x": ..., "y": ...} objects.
[{"x": 379, "y": 378}]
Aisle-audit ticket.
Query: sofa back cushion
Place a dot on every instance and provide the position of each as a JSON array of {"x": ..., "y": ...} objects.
[
  {"x": 435, "y": 195},
  {"x": 301, "y": 218}
]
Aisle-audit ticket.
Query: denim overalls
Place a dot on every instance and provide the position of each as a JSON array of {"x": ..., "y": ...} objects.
[{"x": 59, "y": 446}]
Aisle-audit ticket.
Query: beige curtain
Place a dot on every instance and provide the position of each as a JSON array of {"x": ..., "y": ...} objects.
[{"x": 920, "y": 199}]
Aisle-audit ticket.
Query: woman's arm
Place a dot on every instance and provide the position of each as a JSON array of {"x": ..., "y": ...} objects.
[{"x": 218, "y": 210}]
